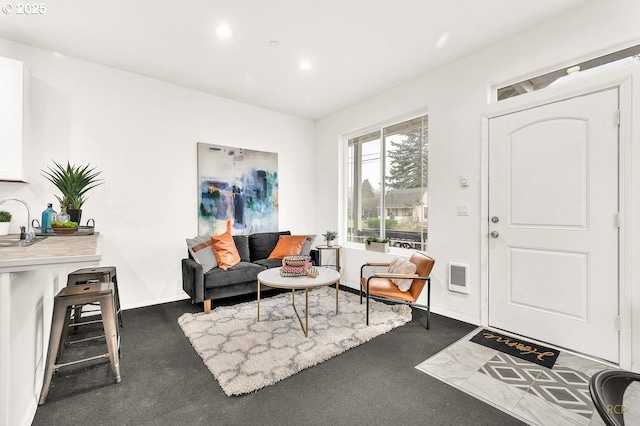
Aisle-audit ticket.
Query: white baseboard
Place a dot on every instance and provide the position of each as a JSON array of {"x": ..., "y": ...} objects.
[
  {"x": 434, "y": 309},
  {"x": 455, "y": 315},
  {"x": 153, "y": 302}
]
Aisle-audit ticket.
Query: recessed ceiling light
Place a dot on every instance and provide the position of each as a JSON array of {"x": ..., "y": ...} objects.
[
  {"x": 573, "y": 69},
  {"x": 305, "y": 65},
  {"x": 223, "y": 31},
  {"x": 274, "y": 43}
]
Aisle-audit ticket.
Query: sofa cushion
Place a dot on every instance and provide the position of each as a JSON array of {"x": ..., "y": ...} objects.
[
  {"x": 201, "y": 251},
  {"x": 225, "y": 250},
  {"x": 262, "y": 244},
  {"x": 288, "y": 245},
  {"x": 242, "y": 245},
  {"x": 269, "y": 263},
  {"x": 240, "y": 273}
]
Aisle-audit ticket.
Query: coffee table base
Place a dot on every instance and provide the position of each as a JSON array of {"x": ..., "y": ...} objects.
[{"x": 305, "y": 326}]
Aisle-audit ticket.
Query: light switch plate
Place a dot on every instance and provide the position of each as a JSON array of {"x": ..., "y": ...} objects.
[
  {"x": 463, "y": 210},
  {"x": 464, "y": 180}
]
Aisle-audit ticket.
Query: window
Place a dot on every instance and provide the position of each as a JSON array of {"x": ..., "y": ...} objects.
[
  {"x": 613, "y": 60},
  {"x": 387, "y": 184}
]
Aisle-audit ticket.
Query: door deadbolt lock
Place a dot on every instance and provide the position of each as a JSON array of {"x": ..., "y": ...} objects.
[
  {"x": 495, "y": 219},
  {"x": 494, "y": 234}
]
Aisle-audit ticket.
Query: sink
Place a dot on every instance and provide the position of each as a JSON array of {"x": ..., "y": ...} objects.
[{"x": 13, "y": 241}]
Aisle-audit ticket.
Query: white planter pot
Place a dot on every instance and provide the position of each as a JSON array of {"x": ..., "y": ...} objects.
[
  {"x": 379, "y": 247},
  {"x": 4, "y": 228}
]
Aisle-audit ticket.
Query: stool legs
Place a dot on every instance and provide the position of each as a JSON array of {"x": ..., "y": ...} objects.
[
  {"x": 57, "y": 324},
  {"x": 67, "y": 300},
  {"x": 117, "y": 300},
  {"x": 65, "y": 333},
  {"x": 111, "y": 335}
]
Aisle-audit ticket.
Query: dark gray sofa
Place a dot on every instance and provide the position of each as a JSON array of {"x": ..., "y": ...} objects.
[{"x": 240, "y": 279}]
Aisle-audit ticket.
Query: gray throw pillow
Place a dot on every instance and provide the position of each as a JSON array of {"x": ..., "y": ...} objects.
[
  {"x": 306, "y": 247},
  {"x": 201, "y": 251}
]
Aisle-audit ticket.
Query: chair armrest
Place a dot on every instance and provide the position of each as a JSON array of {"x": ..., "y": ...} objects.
[
  {"x": 388, "y": 275},
  {"x": 371, "y": 265},
  {"x": 394, "y": 275},
  {"x": 378, "y": 263},
  {"x": 193, "y": 279}
]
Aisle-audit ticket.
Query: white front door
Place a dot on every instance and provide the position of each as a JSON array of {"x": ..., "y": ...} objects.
[{"x": 553, "y": 223}]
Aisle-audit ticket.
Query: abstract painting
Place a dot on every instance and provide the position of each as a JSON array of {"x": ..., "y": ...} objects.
[{"x": 237, "y": 184}]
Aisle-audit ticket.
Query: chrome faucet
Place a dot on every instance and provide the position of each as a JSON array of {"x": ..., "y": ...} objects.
[{"x": 29, "y": 234}]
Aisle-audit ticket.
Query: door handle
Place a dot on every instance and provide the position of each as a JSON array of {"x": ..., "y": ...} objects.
[{"x": 494, "y": 234}]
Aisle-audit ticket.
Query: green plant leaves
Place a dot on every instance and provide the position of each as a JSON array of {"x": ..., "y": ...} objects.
[
  {"x": 73, "y": 182},
  {"x": 330, "y": 235}
]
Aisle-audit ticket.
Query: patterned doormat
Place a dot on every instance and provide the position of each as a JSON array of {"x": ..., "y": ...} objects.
[
  {"x": 522, "y": 349},
  {"x": 562, "y": 386}
]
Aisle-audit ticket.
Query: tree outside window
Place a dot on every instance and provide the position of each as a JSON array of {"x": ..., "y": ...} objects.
[{"x": 387, "y": 184}]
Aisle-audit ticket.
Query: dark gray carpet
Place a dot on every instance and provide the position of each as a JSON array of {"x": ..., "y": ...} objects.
[{"x": 164, "y": 382}]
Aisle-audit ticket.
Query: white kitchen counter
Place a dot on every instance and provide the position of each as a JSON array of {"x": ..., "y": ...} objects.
[
  {"x": 52, "y": 250},
  {"x": 30, "y": 277}
]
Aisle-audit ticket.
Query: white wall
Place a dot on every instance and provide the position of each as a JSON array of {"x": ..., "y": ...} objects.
[
  {"x": 142, "y": 134},
  {"x": 455, "y": 97}
]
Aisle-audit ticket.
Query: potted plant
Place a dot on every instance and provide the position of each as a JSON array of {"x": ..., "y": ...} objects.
[
  {"x": 377, "y": 244},
  {"x": 73, "y": 182},
  {"x": 329, "y": 236},
  {"x": 5, "y": 218}
]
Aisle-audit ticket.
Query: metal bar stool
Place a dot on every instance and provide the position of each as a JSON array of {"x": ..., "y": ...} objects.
[
  {"x": 97, "y": 274},
  {"x": 64, "y": 302}
]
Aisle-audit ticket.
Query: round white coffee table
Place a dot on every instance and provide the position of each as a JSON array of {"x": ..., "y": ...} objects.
[{"x": 272, "y": 278}]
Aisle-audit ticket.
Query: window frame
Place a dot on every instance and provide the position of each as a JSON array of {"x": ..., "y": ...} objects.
[{"x": 378, "y": 127}]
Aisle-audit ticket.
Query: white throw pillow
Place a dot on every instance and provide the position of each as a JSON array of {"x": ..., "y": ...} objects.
[
  {"x": 401, "y": 266},
  {"x": 201, "y": 251}
]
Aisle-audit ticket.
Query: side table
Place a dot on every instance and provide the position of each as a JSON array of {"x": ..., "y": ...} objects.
[{"x": 336, "y": 249}]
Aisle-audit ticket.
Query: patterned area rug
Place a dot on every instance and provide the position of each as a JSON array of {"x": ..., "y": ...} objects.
[{"x": 245, "y": 355}]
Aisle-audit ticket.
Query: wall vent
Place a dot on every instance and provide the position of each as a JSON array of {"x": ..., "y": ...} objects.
[{"x": 458, "y": 277}]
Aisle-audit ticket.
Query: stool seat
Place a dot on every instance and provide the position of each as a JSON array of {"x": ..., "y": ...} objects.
[
  {"x": 96, "y": 274},
  {"x": 64, "y": 302}
]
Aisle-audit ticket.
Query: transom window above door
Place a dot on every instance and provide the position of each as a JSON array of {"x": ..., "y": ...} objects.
[{"x": 577, "y": 70}]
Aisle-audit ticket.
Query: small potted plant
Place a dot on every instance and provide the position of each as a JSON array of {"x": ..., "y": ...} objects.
[
  {"x": 5, "y": 218},
  {"x": 329, "y": 236},
  {"x": 73, "y": 182},
  {"x": 377, "y": 244}
]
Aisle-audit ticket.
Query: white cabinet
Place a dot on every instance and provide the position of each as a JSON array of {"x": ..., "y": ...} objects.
[{"x": 12, "y": 109}]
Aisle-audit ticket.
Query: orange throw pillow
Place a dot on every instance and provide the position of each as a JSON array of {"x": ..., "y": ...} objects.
[
  {"x": 288, "y": 245},
  {"x": 225, "y": 250}
]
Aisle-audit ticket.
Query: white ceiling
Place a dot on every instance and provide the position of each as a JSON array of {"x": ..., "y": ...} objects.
[{"x": 358, "y": 48}]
